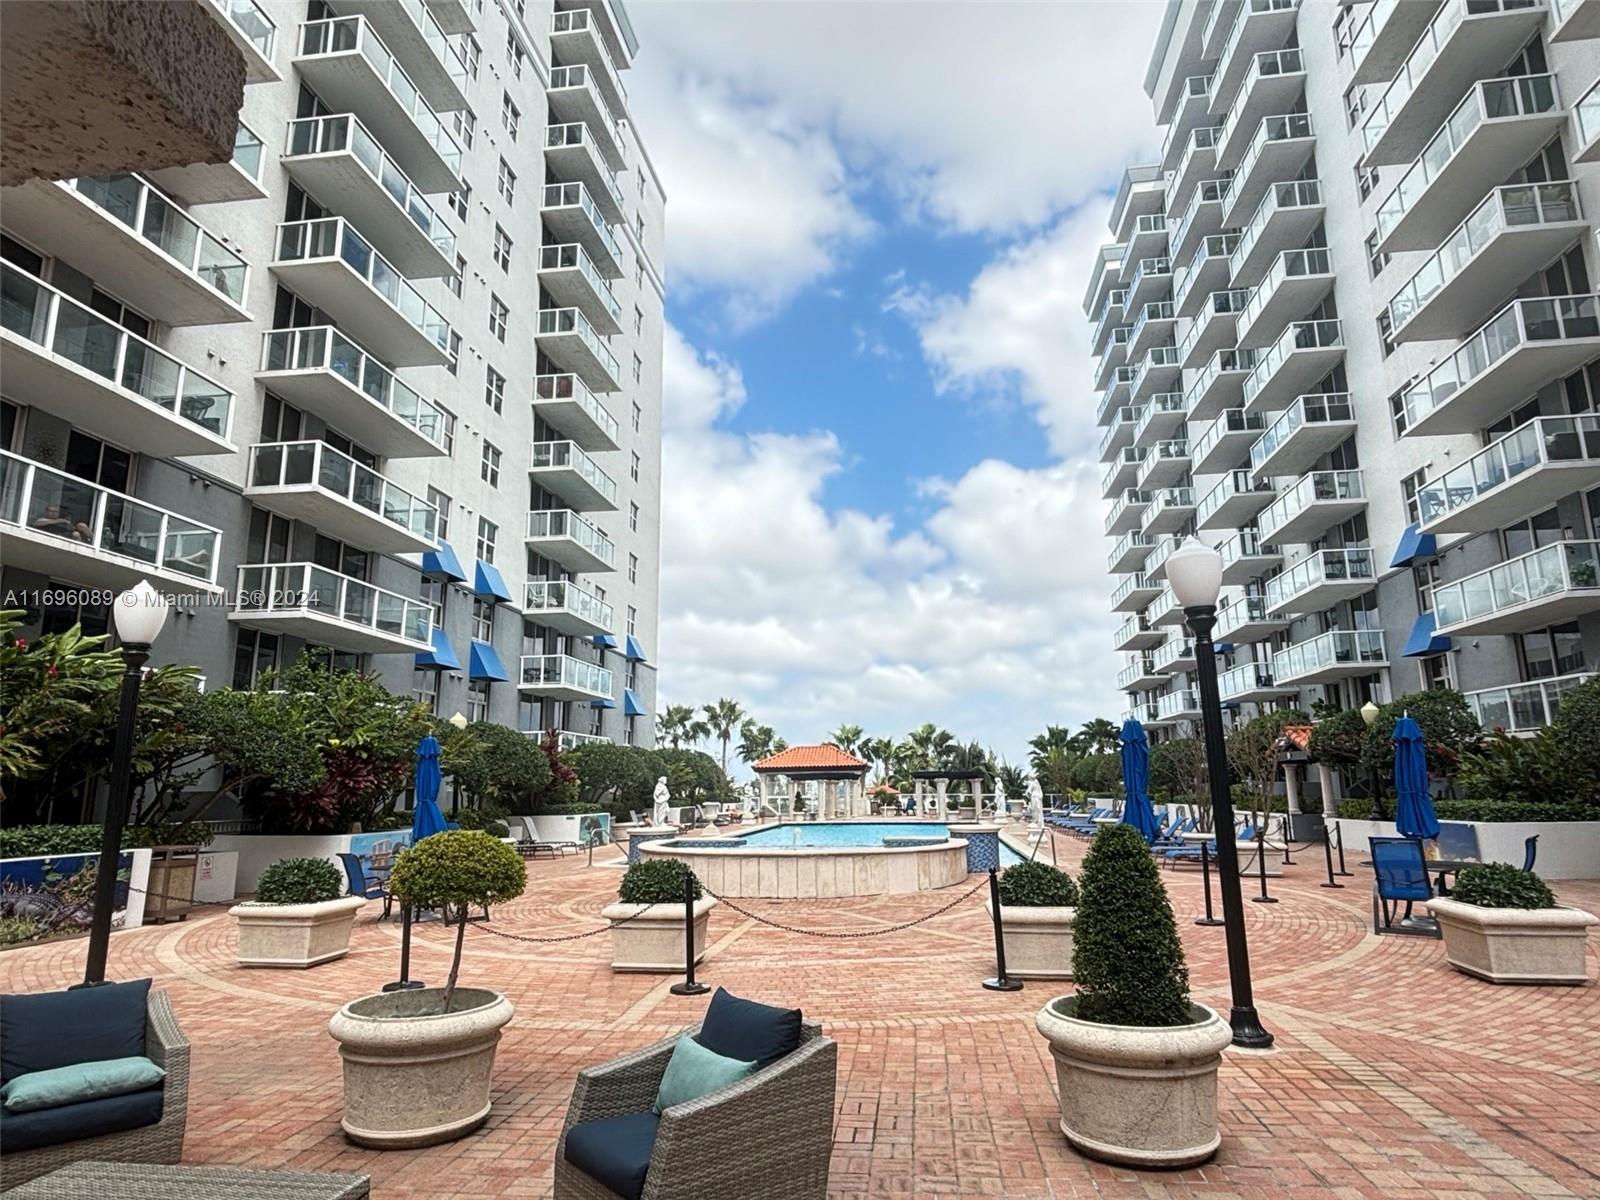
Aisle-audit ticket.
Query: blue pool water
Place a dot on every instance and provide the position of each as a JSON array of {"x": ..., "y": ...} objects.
[{"x": 856, "y": 833}]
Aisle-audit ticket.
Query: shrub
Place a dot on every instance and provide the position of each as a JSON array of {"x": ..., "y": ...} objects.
[
  {"x": 30, "y": 841},
  {"x": 488, "y": 817},
  {"x": 299, "y": 881},
  {"x": 655, "y": 881},
  {"x": 1545, "y": 768},
  {"x": 1577, "y": 727},
  {"x": 1449, "y": 732},
  {"x": 1356, "y": 808},
  {"x": 1501, "y": 885},
  {"x": 1126, "y": 956},
  {"x": 1037, "y": 885}
]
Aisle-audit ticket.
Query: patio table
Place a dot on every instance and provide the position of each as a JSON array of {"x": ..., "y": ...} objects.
[{"x": 150, "y": 1181}]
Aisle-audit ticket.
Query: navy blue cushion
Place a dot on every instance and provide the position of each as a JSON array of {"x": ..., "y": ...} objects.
[
  {"x": 59, "y": 1029},
  {"x": 748, "y": 1031},
  {"x": 73, "y": 1122},
  {"x": 615, "y": 1152}
]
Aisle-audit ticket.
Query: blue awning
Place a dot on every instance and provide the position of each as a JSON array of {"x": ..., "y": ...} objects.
[
  {"x": 605, "y": 641},
  {"x": 1224, "y": 647},
  {"x": 635, "y": 651},
  {"x": 486, "y": 582},
  {"x": 1414, "y": 546},
  {"x": 602, "y": 704},
  {"x": 631, "y": 705},
  {"x": 1423, "y": 640},
  {"x": 441, "y": 656},
  {"x": 441, "y": 562},
  {"x": 486, "y": 663}
]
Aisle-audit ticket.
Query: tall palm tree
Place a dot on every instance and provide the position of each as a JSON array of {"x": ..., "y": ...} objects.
[
  {"x": 1054, "y": 737},
  {"x": 756, "y": 741},
  {"x": 930, "y": 745},
  {"x": 847, "y": 737},
  {"x": 1101, "y": 736},
  {"x": 722, "y": 718},
  {"x": 886, "y": 752},
  {"x": 675, "y": 725}
]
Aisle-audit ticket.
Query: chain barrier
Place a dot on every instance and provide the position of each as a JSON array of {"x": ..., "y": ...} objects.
[{"x": 850, "y": 934}]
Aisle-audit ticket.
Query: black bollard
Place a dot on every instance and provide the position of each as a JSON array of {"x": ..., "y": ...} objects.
[
  {"x": 405, "y": 983},
  {"x": 1261, "y": 864},
  {"x": 1327, "y": 853},
  {"x": 688, "y": 987},
  {"x": 1001, "y": 982},
  {"x": 1342, "y": 871},
  {"x": 1205, "y": 870},
  {"x": 1287, "y": 839}
]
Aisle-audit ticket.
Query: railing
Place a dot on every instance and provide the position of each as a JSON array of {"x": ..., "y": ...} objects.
[
  {"x": 549, "y": 523},
  {"x": 442, "y": 48},
  {"x": 1352, "y": 565},
  {"x": 1548, "y": 571},
  {"x": 1219, "y": 304},
  {"x": 1156, "y": 310},
  {"x": 334, "y": 237},
  {"x": 324, "y": 348},
  {"x": 576, "y": 133},
  {"x": 1243, "y": 679},
  {"x": 307, "y": 587},
  {"x": 1174, "y": 704},
  {"x": 1163, "y": 550},
  {"x": 153, "y": 218},
  {"x": 1216, "y": 246},
  {"x": 1267, "y": 64},
  {"x": 1130, "y": 584},
  {"x": 1149, "y": 268},
  {"x": 1165, "y": 498},
  {"x": 570, "y": 456},
  {"x": 1123, "y": 377},
  {"x": 1135, "y": 624},
  {"x": 1170, "y": 450},
  {"x": 1222, "y": 362},
  {"x": 1282, "y": 128},
  {"x": 554, "y": 322},
  {"x": 317, "y": 464},
  {"x": 1161, "y": 404},
  {"x": 1310, "y": 409},
  {"x": 1142, "y": 669},
  {"x": 1357, "y": 36},
  {"x": 1316, "y": 487},
  {"x": 32, "y": 309},
  {"x": 572, "y": 257},
  {"x": 573, "y": 20},
  {"x": 1246, "y": 543},
  {"x": 1524, "y": 707},
  {"x": 247, "y": 148},
  {"x": 576, "y": 195},
  {"x": 1128, "y": 541},
  {"x": 1296, "y": 193},
  {"x": 1246, "y": 610},
  {"x": 1250, "y": 9},
  {"x": 1539, "y": 443},
  {"x": 562, "y": 670},
  {"x": 42, "y": 500},
  {"x": 1131, "y": 498},
  {"x": 578, "y": 76},
  {"x": 1150, "y": 223},
  {"x": 1234, "y": 483},
  {"x": 1230, "y": 420},
  {"x": 1521, "y": 322},
  {"x": 1130, "y": 456},
  {"x": 1157, "y": 359},
  {"x": 1173, "y": 650},
  {"x": 1166, "y": 602},
  {"x": 1337, "y": 647},
  {"x": 570, "y": 387},
  {"x": 343, "y": 132},
  {"x": 1208, "y": 191},
  {"x": 1290, "y": 264},
  {"x": 251, "y": 20},
  {"x": 566, "y": 739},
  {"x": 1587, "y": 111},
  {"x": 555, "y": 595},
  {"x": 1126, "y": 415},
  {"x": 1110, "y": 314},
  {"x": 1302, "y": 335}
]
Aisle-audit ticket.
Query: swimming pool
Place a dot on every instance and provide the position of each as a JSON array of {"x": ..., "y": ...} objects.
[{"x": 825, "y": 834}]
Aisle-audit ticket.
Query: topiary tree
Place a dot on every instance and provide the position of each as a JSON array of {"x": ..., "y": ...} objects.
[
  {"x": 456, "y": 871},
  {"x": 1037, "y": 885},
  {"x": 1126, "y": 956},
  {"x": 299, "y": 881},
  {"x": 656, "y": 881},
  {"x": 1501, "y": 885}
]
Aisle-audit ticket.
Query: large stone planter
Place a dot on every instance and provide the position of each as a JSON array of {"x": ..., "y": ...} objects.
[
  {"x": 1038, "y": 941},
  {"x": 414, "y": 1076},
  {"x": 1515, "y": 945},
  {"x": 295, "y": 935},
  {"x": 1135, "y": 1096},
  {"x": 650, "y": 936}
]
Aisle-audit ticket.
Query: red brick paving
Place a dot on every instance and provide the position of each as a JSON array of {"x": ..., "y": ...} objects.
[{"x": 1393, "y": 1077}]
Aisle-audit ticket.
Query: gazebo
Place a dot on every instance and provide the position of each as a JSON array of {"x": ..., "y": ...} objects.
[
  {"x": 840, "y": 780},
  {"x": 942, "y": 778}
]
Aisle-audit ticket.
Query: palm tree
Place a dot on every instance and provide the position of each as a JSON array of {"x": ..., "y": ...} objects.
[
  {"x": 929, "y": 746},
  {"x": 1054, "y": 737},
  {"x": 675, "y": 725},
  {"x": 1012, "y": 782},
  {"x": 1101, "y": 736},
  {"x": 884, "y": 751},
  {"x": 756, "y": 741},
  {"x": 847, "y": 737},
  {"x": 722, "y": 718}
]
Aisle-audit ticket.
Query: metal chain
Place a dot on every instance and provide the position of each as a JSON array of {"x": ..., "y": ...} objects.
[
  {"x": 852, "y": 934},
  {"x": 568, "y": 937}
]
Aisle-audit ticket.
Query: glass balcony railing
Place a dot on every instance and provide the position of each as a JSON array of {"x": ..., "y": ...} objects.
[
  {"x": 1125, "y": 545},
  {"x": 1143, "y": 668},
  {"x": 247, "y": 149},
  {"x": 303, "y": 587},
  {"x": 1586, "y": 112},
  {"x": 92, "y": 518},
  {"x": 316, "y": 464},
  {"x": 1246, "y": 610},
  {"x": 569, "y": 456},
  {"x": 546, "y": 524},
  {"x": 1524, "y": 707},
  {"x": 1296, "y": 193},
  {"x": 1311, "y": 409},
  {"x": 1223, "y": 362},
  {"x": 1172, "y": 651},
  {"x": 1356, "y": 36},
  {"x": 1267, "y": 64},
  {"x": 1234, "y": 483},
  {"x": 573, "y": 257},
  {"x": 1291, "y": 264},
  {"x": 1338, "y": 648},
  {"x": 1317, "y": 487},
  {"x": 439, "y": 45},
  {"x": 32, "y": 309},
  {"x": 576, "y": 133},
  {"x": 1208, "y": 191},
  {"x": 1195, "y": 88},
  {"x": 153, "y": 218},
  {"x": 1132, "y": 627},
  {"x": 1161, "y": 551},
  {"x": 1230, "y": 422},
  {"x": 1162, "y": 404},
  {"x": 1243, "y": 545},
  {"x": 1177, "y": 704},
  {"x": 564, "y": 671},
  {"x": 1173, "y": 451},
  {"x": 1156, "y": 310},
  {"x": 252, "y": 21},
  {"x": 1167, "y": 499},
  {"x": 556, "y": 322},
  {"x": 1218, "y": 247},
  {"x": 1150, "y": 223},
  {"x": 1353, "y": 565},
  {"x": 555, "y": 595},
  {"x": 1110, "y": 317},
  {"x": 1302, "y": 335},
  {"x": 1148, "y": 271},
  {"x": 1244, "y": 680},
  {"x": 566, "y": 739},
  {"x": 577, "y": 20},
  {"x": 1137, "y": 582},
  {"x": 575, "y": 195},
  {"x": 570, "y": 387},
  {"x": 1542, "y": 442},
  {"x": 579, "y": 77},
  {"x": 1218, "y": 304},
  {"x": 1128, "y": 456},
  {"x": 324, "y": 348},
  {"x": 1133, "y": 499},
  {"x": 1123, "y": 423},
  {"x": 1202, "y": 141},
  {"x": 1286, "y": 127},
  {"x": 1165, "y": 606},
  {"x": 1550, "y": 571}
]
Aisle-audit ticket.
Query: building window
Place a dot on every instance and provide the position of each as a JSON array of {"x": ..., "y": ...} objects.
[
  {"x": 1377, "y": 260},
  {"x": 506, "y": 182},
  {"x": 502, "y": 249},
  {"x": 478, "y": 700},
  {"x": 1437, "y": 672},
  {"x": 633, "y": 516},
  {"x": 460, "y": 201},
  {"x": 630, "y": 678},
  {"x": 442, "y": 502},
  {"x": 472, "y": 52},
  {"x": 425, "y": 687},
  {"x": 482, "y": 621},
  {"x": 499, "y": 313},
  {"x": 487, "y": 532},
  {"x": 254, "y": 654},
  {"x": 627, "y": 733},
  {"x": 514, "y": 54},
  {"x": 489, "y": 469},
  {"x": 457, "y": 281},
  {"x": 454, "y": 364},
  {"x": 448, "y": 424},
  {"x": 1397, "y": 411},
  {"x": 633, "y": 568},
  {"x": 638, "y": 320},
  {"x": 639, "y": 227},
  {"x": 633, "y": 620},
  {"x": 1366, "y": 181},
  {"x": 509, "y": 116},
  {"x": 1409, "y": 487},
  {"x": 1425, "y": 578},
  {"x": 1386, "y": 333},
  {"x": 638, "y": 368},
  {"x": 638, "y": 416},
  {"x": 633, "y": 467},
  {"x": 466, "y": 126},
  {"x": 494, "y": 389}
]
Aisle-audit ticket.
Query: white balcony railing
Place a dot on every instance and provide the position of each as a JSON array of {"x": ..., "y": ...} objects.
[
  {"x": 290, "y": 465},
  {"x": 324, "y": 348},
  {"x": 1286, "y": 127},
  {"x": 152, "y": 218},
  {"x": 1543, "y": 442},
  {"x": 574, "y": 195},
  {"x": 553, "y": 671},
  {"x": 1302, "y": 335},
  {"x": 1524, "y": 707},
  {"x": 1311, "y": 409},
  {"x": 545, "y": 596},
  {"x": 1338, "y": 649},
  {"x": 561, "y": 523},
  {"x": 573, "y": 257},
  {"x": 1317, "y": 487},
  {"x": 576, "y": 133},
  {"x": 305, "y": 588},
  {"x": 1291, "y": 264},
  {"x": 570, "y": 387},
  {"x": 1229, "y": 422},
  {"x": 1295, "y": 193},
  {"x": 1559, "y": 570},
  {"x": 569, "y": 456},
  {"x": 1354, "y": 565}
]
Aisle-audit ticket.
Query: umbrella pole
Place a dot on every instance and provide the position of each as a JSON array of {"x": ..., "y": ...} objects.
[{"x": 405, "y": 983}]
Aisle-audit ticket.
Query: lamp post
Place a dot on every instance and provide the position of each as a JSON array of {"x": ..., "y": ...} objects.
[
  {"x": 1195, "y": 573},
  {"x": 1369, "y": 713},
  {"x": 139, "y": 616}
]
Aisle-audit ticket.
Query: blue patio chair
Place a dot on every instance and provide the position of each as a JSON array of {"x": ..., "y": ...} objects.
[
  {"x": 1174, "y": 836},
  {"x": 1400, "y": 873},
  {"x": 360, "y": 885},
  {"x": 1530, "y": 851}
]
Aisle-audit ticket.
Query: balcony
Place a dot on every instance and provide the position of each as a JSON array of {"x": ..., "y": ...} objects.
[
  {"x": 1110, "y": 318},
  {"x": 329, "y": 609},
  {"x": 1485, "y": 259},
  {"x": 65, "y": 359},
  {"x": 562, "y": 536},
  {"x": 1165, "y": 464},
  {"x": 1220, "y": 385},
  {"x": 1321, "y": 580},
  {"x": 1498, "y": 126},
  {"x": 1193, "y": 110},
  {"x": 452, "y": 15},
  {"x": 1164, "y": 610},
  {"x": 1174, "y": 655},
  {"x": 1136, "y": 633},
  {"x": 330, "y": 264},
  {"x": 1129, "y": 553},
  {"x": 1333, "y": 655},
  {"x": 1245, "y": 557},
  {"x": 570, "y": 214},
  {"x": 574, "y": 98},
  {"x": 1140, "y": 675},
  {"x": 1315, "y": 504},
  {"x": 1280, "y": 149},
  {"x": 1117, "y": 393},
  {"x": 567, "y": 608},
  {"x": 1148, "y": 238},
  {"x": 1274, "y": 82},
  {"x": 1586, "y": 127},
  {"x": 1526, "y": 345},
  {"x": 1207, "y": 272},
  {"x": 351, "y": 69},
  {"x": 213, "y": 183},
  {"x": 1200, "y": 220},
  {"x": 563, "y": 468},
  {"x": 1530, "y": 468},
  {"x": 1151, "y": 280},
  {"x": 1199, "y": 162},
  {"x": 1144, "y": 712},
  {"x": 1467, "y": 40},
  {"x": 1160, "y": 419},
  {"x": 432, "y": 60},
  {"x": 571, "y": 342},
  {"x": 1300, "y": 359},
  {"x": 1309, "y": 428},
  {"x": 1127, "y": 511},
  {"x": 1212, "y": 328},
  {"x": 325, "y": 373},
  {"x": 1122, "y": 472},
  {"x": 136, "y": 244},
  {"x": 1170, "y": 509},
  {"x": 250, "y": 29},
  {"x": 604, "y": 22},
  {"x": 571, "y": 407},
  {"x": 575, "y": 38},
  {"x": 1119, "y": 432},
  {"x": 1260, "y": 25},
  {"x": 1524, "y": 707},
  {"x": 1133, "y": 593},
  {"x": 1233, "y": 501},
  {"x": 1218, "y": 28},
  {"x": 573, "y": 153},
  {"x": 1107, "y": 274},
  {"x": 1158, "y": 373},
  {"x": 1115, "y": 356},
  {"x": 1180, "y": 705},
  {"x": 562, "y": 677},
  {"x": 70, "y": 529},
  {"x": 1153, "y": 327},
  {"x": 311, "y": 481},
  {"x": 1250, "y": 683},
  {"x": 572, "y": 279},
  {"x": 1247, "y": 621},
  {"x": 1288, "y": 214},
  {"x": 1155, "y": 567},
  {"x": 1554, "y": 583},
  {"x": 1574, "y": 20},
  {"x": 338, "y": 160},
  {"x": 1225, "y": 442},
  {"x": 1378, "y": 43},
  {"x": 1294, "y": 285}
]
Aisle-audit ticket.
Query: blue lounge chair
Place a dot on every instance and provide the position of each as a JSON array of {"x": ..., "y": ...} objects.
[
  {"x": 1400, "y": 875},
  {"x": 1173, "y": 837},
  {"x": 360, "y": 885}
]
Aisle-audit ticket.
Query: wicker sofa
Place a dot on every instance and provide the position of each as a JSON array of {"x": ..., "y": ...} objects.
[{"x": 767, "y": 1137}]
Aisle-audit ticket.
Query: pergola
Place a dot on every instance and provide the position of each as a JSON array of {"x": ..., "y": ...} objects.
[
  {"x": 840, "y": 779},
  {"x": 942, "y": 778}
]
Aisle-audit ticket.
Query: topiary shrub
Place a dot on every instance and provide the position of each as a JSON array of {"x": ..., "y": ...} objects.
[
  {"x": 489, "y": 818},
  {"x": 1501, "y": 885},
  {"x": 1126, "y": 956},
  {"x": 299, "y": 881},
  {"x": 655, "y": 881},
  {"x": 1037, "y": 885}
]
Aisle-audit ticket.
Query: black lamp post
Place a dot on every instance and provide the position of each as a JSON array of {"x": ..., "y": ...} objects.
[
  {"x": 139, "y": 616},
  {"x": 1195, "y": 573}
]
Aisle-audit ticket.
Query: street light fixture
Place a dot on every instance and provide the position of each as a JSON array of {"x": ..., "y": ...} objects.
[
  {"x": 1195, "y": 572},
  {"x": 139, "y": 616},
  {"x": 1369, "y": 713}
]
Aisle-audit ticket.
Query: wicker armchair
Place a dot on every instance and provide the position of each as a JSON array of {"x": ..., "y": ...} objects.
[
  {"x": 767, "y": 1137},
  {"x": 166, "y": 1046}
]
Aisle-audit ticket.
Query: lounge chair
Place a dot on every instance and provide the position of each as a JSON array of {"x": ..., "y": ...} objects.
[
  {"x": 1400, "y": 876},
  {"x": 360, "y": 885}
]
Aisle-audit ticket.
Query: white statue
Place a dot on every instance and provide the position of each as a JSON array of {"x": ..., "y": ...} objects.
[
  {"x": 662, "y": 814},
  {"x": 1035, "y": 801}
]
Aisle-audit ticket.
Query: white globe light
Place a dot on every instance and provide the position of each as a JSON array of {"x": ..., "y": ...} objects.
[
  {"x": 140, "y": 614},
  {"x": 1195, "y": 572},
  {"x": 1369, "y": 712}
]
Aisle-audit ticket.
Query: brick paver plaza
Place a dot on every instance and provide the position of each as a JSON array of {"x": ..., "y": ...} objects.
[{"x": 1393, "y": 1077}]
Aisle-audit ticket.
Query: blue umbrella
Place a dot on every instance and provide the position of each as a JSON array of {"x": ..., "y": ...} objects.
[
  {"x": 1414, "y": 815},
  {"x": 426, "y": 819},
  {"x": 1136, "y": 807}
]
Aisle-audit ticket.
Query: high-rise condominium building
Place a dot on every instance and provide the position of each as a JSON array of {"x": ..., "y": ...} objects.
[
  {"x": 384, "y": 389},
  {"x": 1347, "y": 333}
]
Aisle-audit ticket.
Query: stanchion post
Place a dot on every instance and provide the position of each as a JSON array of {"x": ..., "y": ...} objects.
[
  {"x": 1327, "y": 853},
  {"x": 1287, "y": 838},
  {"x": 1342, "y": 871},
  {"x": 1205, "y": 872},
  {"x": 1261, "y": 865},
  {"x": 688, "y": 987},
  {"x": 1001, "y": 982},
  {"x": 405, "y": 983}
]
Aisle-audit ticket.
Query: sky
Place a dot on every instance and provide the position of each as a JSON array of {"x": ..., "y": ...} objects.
[{"x": 881, "y": 494}]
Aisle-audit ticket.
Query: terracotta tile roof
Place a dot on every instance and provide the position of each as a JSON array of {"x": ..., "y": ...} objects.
[
  {"x": 1299, "y": 736},
  {"x": 810, "y": 758}
]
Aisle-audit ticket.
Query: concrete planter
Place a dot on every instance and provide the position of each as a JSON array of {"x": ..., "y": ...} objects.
[
  {"x": 414, "y": 1076},
  {"x": 651, "y": 939},
  {"x": 1136, "y": 1096},
  {"x": 1038, "y": 941},
  {"x": 295, "y": 935},
  {"x": 1515, "y": 945}
]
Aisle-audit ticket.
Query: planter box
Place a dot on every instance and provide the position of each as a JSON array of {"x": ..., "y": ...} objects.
[
  {"x": 1567, "y": 849},
  {"x": 1515, "y": 945},
  {"x": 652, "y": 937},
  {"x": 295, "y": 935},
  {"x": 1038, "y": 941}
]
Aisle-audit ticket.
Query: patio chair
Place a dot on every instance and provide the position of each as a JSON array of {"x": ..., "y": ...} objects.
[
  {"x": 1400, "y": 875},
  {"x": 360, "y": 885},
  {"x": 1530, "y": 851},
  {"x": 1173, "y": 837}
]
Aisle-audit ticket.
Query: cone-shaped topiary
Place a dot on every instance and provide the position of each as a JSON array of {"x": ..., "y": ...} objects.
[{"x": 1126, "y": 956}]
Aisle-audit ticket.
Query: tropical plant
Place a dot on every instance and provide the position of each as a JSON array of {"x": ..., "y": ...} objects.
[
  {"x": 757, "y": 741},
  {"x": 1099, "y": 774},
  {"x": 847, "y": 738},
  {"x": 1449, "y": 731},
  {"x": 1012, "y": 782},
  {"x": 928, "y": 747},
  {"x": 490, "y": 818},
  {"x": 1337, "y": 735},
  {"x": 1057, "y": 738},
  {"x": 1037, "y": 885},
  {"x": 1501, "y": 885},
  {"x": 1577, "y": 725},
  {"x": 492, "y": 764},
  {"x": 722, "y": 718},
  {"x": 1542, "y": 770},
  {"x": 693, "y": 776},
  {"x": 620, "y": 779},
  {"x": 888, "y": 754},
  {"x": 656, "y": 881},
  {"x": 1100, "y": 736},
  {"x": 1178, "y": 772},
  {"x": 676, "y": 724},
  {"x": 1054, "y": 771},
  {"x": 299, "y": 881}
]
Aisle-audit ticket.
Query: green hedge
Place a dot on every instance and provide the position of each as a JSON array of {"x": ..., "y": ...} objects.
[
  {"x": 31, "y": 841},
  {"x": 300, "y": 881},
  {"x": 655, "y": 881},
  {"x": 1037, "y": 885},
  {"x": 1491, "y": 811},
  {"x": 1501, "y": 885}
]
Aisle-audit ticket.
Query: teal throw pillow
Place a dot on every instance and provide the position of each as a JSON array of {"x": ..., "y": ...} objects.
[
  {"x": 694, "y": 1071},
  {"x": 79, "y": 1082}
]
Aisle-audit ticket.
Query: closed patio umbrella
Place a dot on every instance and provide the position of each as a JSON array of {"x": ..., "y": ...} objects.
[
  {"x": 1136, "y": 808},
  {"x": 1414, "y": 815},
  {"x": 426, "y": 820}
]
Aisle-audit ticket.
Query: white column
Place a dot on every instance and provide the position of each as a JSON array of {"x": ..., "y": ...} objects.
[
  {"x": 1330, "y": 802},
  {"x": 1291, "y": 787},
  {"x": 941, "y": 788}
]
